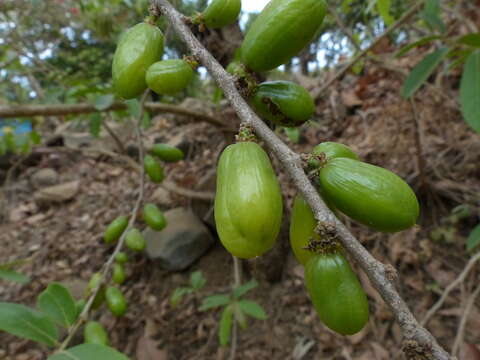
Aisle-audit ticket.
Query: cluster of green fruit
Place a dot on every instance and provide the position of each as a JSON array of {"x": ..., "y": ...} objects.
[
  {"x": 248, "y": 202},
  {"x": 248, "y": 213},
  {"x": 134, "y": 240}
]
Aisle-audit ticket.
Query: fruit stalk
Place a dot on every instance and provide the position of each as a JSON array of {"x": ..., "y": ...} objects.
[
  {"x": 83, "y": 317},
  {"x": 291, "y": 161}
]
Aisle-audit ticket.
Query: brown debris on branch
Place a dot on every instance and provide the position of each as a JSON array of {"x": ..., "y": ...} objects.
[{"x": 291, "y": 161}]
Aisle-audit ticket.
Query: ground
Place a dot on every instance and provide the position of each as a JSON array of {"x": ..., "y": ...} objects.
[{"x": 437, "y": 154}]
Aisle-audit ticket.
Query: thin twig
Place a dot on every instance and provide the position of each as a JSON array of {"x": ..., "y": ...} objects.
[
  {"x": 8, "y": 111},
  {"x": 418, "y": 143},
  {"x": 293, "y": 165},
  {"x": 114, "y": 136},
  {"x": 449, "y": 288},
  {"x": 237, "y": 281},
  {"x": 83, "y": 317},
  {"x": 342, "y": 26},
  {"x": 396, "y": 25},
  {"x": 464, "y": 319}
]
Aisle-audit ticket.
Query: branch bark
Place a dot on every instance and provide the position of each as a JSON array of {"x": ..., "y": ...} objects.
[
  {"x": 291, "y": 161},
  {"x": 85, "y": 108}
]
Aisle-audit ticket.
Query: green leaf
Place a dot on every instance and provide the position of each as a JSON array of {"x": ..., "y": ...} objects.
[
  {"x": 89, "y": 352},
  {"x": 293, "y": 134},
  {"x": 431, "y": 15},
  {"x": 147, "y": 120},
  {"x": 133, "y": 106},
  {"x": 383, "y": 7},
  {"x": 214, "y": 301},
  {"x": 95, "y": 124},
  {"x": 178, "y": 295},
  {"x": 422, "y": 71},
  {"x": 27, "y": 323},
  {"x": 470, "y": 91},
  {"x": 103, "y": 102},
  {"x": 35, "y": 137},
  {"x": 3, "y": 147},
  {"x": 197, "y": 280},
  {"x": 225, "y": 326},
  {"x": 240, "y": 317},
  {"x": 243, "y": 289},
  {"x": 474, "y": 238},
  {"x": 57, "y": 302},
  {"x": 14, "y": 276},
  {"x": 421, "y": 42},
  {"x": 252, "y": 309},
  {"x": 470, "y": 39}
]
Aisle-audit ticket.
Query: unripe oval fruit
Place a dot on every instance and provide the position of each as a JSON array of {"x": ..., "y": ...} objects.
[
  {"x": 283, "y": 102},
  {"x": 153, "y": 217},
  {"x": 221, "y": 13},
  {"x": 168, "y": 77},
  {"x": 118, "y": 274},
  {"x": 138, "y": 48},
  {"x": 92, "y": 285},
  {"x": 135, "y": 240},
  {"x": 334, "y": 150},
  {"x": 280, "y": 32},
  {"x": 121, "y": 257},
  {"x": 336, "y": 293},
  {"x": 167, "y": 153},
  {"x": 115, "y": 229},
  {"x": 94, "y": 333},
  {"x": 79, "y": 305},
  {"x": 302, "y": 229},
  {"x": 248, "y": 202},
  {"x": 369, "y": 194},
  {"x": 153, "y": 169},
  {"x": 116, "y": 301}
]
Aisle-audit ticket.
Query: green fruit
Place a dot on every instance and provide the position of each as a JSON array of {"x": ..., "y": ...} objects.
[
  {"x": 118, "y": 274},
  {"x": 79, "y": 305},
  {"x": 167, "y": 153},
  {"x": 283, "y": 103},
  {"x": 115, "y": 229},
  {"x": 334, "y": 150},
  {"x": 121, "y": 257},
  {"x": 221, "y": 13},
  {"x": 280, "y": 32},
  {"x": 168, "y": 77},
  {"x": 302, "y": 229},
  {"x": 336, "y": 293},
  {"x": 248, "y": 203},
  {"x": 116, "y": 301},
  {"x": 153, "y": 217},
  {"x": 153, "y": 169},
  {"x": 369, "y": 194},
  {"x": 135, "y": 240},
  {"x": 138, "y": 48},
  {"x": 94, "y": 333},
  {"x": 92, "y": 285}
]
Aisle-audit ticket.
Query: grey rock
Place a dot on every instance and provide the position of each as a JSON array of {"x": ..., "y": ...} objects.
[
  {"x": 182, "y": 242},
  {"x": 57, "y": 193},
  {"x": 44, "y": 177},
  {"x": 162, "y": 198}
]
